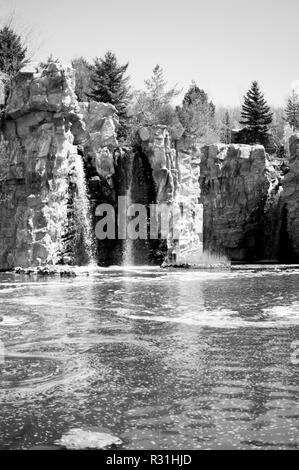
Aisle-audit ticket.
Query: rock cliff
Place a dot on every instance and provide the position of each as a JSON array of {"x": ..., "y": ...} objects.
[
  {"x": 60, "y": 159},
  {"x": 154, "y": 172},
  {"x": 175, "y": 171},
  {"x": 3, "y": 88},
  {"x": 239, "y": 188},
  {"x": 291, "y": 201},
  {"x": 39, "y": 165},
  {"x": 106, "y": 166}
]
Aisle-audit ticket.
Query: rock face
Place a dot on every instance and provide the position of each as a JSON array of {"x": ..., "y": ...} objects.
[
  {"x": 3, "y": 82},
  {"x": 189, "y": 247},
  {"x": 175, "y": 173},
  {"x": 152, "y": 173},
  {"x": 243, "y": 136},
  {"x": 162, "y": 159},
  {"x": 229, "y": 198},
  {"x": 291, "y": 201},
  {"x": 239, "y": 188},
  {"x": 107, "y": 169},
  {"x": 38, "y": 166}
]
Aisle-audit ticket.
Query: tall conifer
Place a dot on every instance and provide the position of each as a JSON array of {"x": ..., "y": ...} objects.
[{"x": 256, "y": 114}]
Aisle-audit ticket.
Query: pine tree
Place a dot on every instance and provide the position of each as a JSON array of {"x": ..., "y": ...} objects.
[
  {"x": 156, "y": 95},
  {"x": 197, "y": 115},
  {"x": 155, "y": 85},
  {"x": 196, "y": 95},
  {"x": 256, "y": 114},
  {"x": 12, "y": 51},
  {"x": 109, "y": 85},
  {"x": 153, "y": 105},
  {"x": 292, "y": 111}
]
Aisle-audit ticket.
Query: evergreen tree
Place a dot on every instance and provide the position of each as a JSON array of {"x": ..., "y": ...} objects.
[
  {"x": 109, "y": 85},
  {"x": 197, "y": 115},
  {"x": 12, "y": 51},
  {"x": 256, "y": 114},
  {"x": 195, "y": 95},
  {"x": 292, "y": 111},
  {"x": 156, "y": 96},
  {"x": 153, "y": 105}
]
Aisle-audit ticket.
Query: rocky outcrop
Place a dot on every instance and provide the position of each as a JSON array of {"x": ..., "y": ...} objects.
[
  {"x": 107, "y": 168},
  {"x": 3, "y": 89},
  {"x": 291, "y": 202},
  {"x": 38, "y": 166},
  {"x": 162, "y": 159},
  {"x": 239, "y": 189},
  {"x": 230, "y": 198},
  {"x": 244, "y": 136},
  {"x": 189, "y": 247},
  {"x": 175, "y": 172}
]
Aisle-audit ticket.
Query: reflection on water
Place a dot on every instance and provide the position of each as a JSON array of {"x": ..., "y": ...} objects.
[{"x": 162, "y": 360}]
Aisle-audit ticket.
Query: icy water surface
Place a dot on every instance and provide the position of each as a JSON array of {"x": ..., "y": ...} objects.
[{"x": 162, "y": 360}]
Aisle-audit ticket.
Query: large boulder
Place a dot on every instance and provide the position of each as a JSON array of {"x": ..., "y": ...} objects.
[
  {"x": 49, "y": 88},
  {"x": 101, "y": 121}
]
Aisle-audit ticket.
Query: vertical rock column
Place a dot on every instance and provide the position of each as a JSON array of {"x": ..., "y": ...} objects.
[
  {"x": 291, "y": 199},
  {"x": 175, "y": 174},
  {"x": 36, "y": 154},
  {"x": 237, "y": 184}
]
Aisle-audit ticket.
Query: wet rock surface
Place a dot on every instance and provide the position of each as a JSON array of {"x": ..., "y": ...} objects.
[{"x": 63, "y": 271}]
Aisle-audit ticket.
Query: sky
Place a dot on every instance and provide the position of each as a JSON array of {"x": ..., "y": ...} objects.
[{"x": 220, "y": 44}]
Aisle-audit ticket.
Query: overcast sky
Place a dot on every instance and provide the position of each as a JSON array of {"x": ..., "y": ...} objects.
[{"x": 221, "y": 44}]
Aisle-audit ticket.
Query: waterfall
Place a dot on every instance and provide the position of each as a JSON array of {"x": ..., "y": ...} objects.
[
  {"x": 128, "y": 256},
  {"x": 84, "y": 234}
]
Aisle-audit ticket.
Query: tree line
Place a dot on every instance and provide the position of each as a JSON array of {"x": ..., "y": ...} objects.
[{"x": 196, "y": 119}]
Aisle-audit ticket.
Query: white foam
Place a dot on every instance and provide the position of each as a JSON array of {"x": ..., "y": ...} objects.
[
  {"x": 12, "y": 321},
  {"x": 280, "y": 316}
]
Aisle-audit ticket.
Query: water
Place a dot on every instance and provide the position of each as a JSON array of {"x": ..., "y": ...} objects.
[
  {"x": 83, "y": 212},
  {"x": 128, "y": 253},
  {"x": 162, "y": 360}
]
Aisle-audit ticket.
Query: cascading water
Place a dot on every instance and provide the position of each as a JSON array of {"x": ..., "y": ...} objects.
[
  {"x": 128, "y": 256},
  {"x": 84, "y": 239}
]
